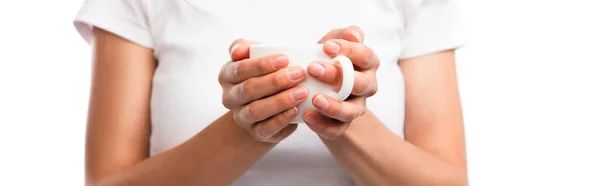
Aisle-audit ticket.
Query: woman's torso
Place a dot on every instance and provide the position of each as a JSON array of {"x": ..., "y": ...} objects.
[{"x": 192, "y": 37}]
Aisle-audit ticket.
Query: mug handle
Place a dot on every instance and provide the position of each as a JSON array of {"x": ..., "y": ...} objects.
[{"x": 348, "y": 76}]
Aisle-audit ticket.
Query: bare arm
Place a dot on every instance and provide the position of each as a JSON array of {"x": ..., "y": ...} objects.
[
  {"x": 433, "y": 152},
  {"x": 118, "y": 129},
  {"x": 261, "y": 94}
]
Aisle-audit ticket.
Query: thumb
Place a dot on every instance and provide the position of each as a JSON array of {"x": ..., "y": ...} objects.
[
  {"x": 351, "y": 33},
  {"x": 326, "y": 73},
  {"x": 333, "y": 34},
  {"x": 240, "y": 49}
]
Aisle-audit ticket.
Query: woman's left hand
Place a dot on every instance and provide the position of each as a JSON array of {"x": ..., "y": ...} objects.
[{"x": 333, "y": 117}]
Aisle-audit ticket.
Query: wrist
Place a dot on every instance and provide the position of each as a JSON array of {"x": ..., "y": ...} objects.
[{"x": 363, "y": 126}]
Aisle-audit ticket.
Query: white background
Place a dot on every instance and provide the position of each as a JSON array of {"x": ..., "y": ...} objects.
[{"x": 530, "y": 85}]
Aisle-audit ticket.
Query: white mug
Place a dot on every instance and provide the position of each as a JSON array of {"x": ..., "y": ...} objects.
[{"x": 302, "y": 56}]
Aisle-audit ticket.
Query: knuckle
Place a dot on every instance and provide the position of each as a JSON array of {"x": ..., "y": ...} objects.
[
  {"x": 279, "y": 80},
  {"x": 237, "y": 68},
  {"x": 264, "y": 65},
  {"x": 223, "y": 73},
  {"x": 260, "y": 134},
  {"x": 247, "y": 89},
  {"x": 361, "y": 86},
  {"x": 349, "y": 48},
  {"x": 253, "y": 111},
  {"x": 262, "y": 137},
  {"x": 259, "y": 137},
  {"x": 245, "y": 86},
  {"x": 226, "y": 101},
  {"x": 221, "y": 79},
  {"x": 232, "y": 72},
  {"x": 237, "y": 118},
  {"x": 366, "y": 86},
  {"x": 336, "y": 111},
  {"x": 284, "y": 100},
  {"x": 366, "y": 58},
  {"x": 374, "y": 89},
  {"x": 243, "y": 115}
]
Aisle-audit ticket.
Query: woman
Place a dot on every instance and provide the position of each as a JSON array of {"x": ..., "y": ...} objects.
[{"x": 168, "y": 109}]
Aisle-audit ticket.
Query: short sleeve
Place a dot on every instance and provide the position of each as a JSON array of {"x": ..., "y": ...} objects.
[
  {"x": 438, "y": 25},
  {"x": 125, "y": 18}
]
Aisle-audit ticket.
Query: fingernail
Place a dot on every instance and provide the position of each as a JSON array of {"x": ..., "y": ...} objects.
[
  {"x": 332, "y": 47},
  {"x": 233, "y": 49},
  {"x": 298, "y": 94},
  {"x": 295, "y": 73},
  {"x": 279, "y": 61},
  {"x": 321, "y": 102},
  {"x": 316, "y": 70},
  {"x": 310, "y": 120},
  {"x": 357, "y": 35},
  {"x": 291, "y": 112}
]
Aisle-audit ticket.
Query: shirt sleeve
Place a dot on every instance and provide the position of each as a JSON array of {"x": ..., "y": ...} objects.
[
  {"x": 125, "y": 18},
  {"x": 436, "y": 26}
]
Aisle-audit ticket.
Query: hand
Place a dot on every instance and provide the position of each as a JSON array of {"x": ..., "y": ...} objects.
[
  {"x": 261, "y": 93},
  {"x": 333, "y": 117}
]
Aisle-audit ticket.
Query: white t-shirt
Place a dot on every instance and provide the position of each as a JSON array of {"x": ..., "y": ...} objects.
[{"x": 190, "y": 39}]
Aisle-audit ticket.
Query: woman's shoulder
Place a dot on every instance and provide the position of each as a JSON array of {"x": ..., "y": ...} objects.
[
  {"x": 125, "y": 18},
  {"x": 433, "y": 26}
]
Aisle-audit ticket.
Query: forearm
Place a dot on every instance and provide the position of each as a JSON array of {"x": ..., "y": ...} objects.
[
  {"x": 373, "y": 155},
  {"x": 217, "y": 155}
]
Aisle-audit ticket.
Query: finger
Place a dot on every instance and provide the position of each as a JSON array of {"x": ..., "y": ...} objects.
[
  {"x": 267, "y": 130},
  {"x": 365, "y": 83},
  {"x": 240, "y": 49},
  {"x": 284, "y": 133},
  {"x": 325, "y": 72},
  {"x": 351, "y": 33},
  {"x": 344, "y": 111},
  {"x": 360, "y": 55},
  {"x": 333, "y": 34},
  {"x": 325, "y": 127},
  {"x": 259, "y": 87},
  {"x": 264, "y": 108},
  {"x": 236, "y": 72}
]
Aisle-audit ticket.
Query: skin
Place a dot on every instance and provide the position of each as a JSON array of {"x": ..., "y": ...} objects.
[
  {"x": 117, "y": 139},
  {"x": 246, "y": 81},
  {"x": 118, "y": 127},
  {"x": 433, "y": 152}
]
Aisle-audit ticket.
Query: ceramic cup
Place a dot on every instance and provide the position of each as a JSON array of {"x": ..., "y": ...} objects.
[{"x": 302, "y": 56}]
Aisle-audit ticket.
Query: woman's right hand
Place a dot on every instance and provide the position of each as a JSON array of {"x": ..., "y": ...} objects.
[{"x": 262, "y": 92}]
